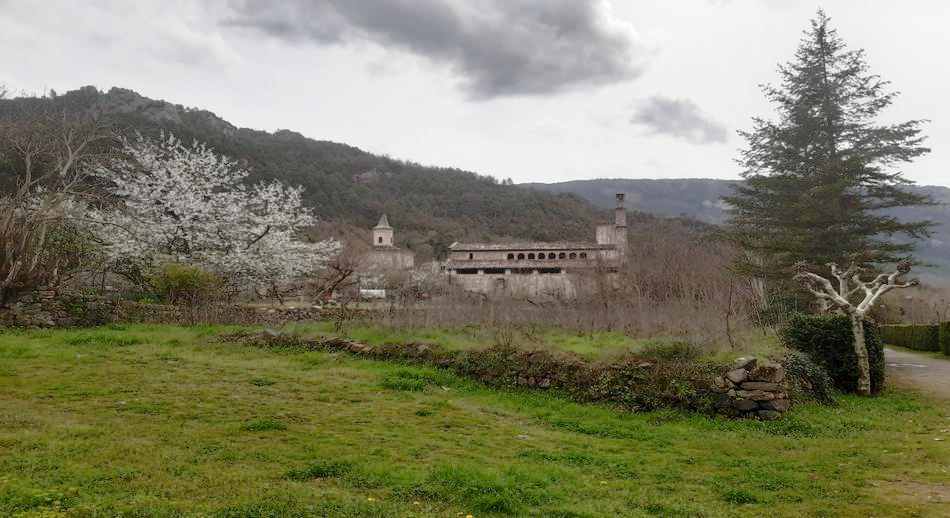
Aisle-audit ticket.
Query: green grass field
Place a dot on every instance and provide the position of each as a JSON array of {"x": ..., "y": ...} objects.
[{"x": 169, "y": 421}]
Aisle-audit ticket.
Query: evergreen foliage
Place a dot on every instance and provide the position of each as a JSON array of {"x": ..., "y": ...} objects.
[
  {"x": 829, "y": 342},
  {"x": 819, "y": 176},
  {"x": 912, "y": 336},
  {"x": 945, "y": 338}
]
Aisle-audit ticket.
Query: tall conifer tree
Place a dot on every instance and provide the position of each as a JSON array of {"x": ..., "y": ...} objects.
[{"x": 819, "y": 177}]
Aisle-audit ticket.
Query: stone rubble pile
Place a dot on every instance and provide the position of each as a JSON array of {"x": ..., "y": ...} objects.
[{"x": 753, "y": 389}]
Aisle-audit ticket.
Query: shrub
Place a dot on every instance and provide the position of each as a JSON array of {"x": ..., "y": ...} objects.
[
  {"x": 676, "y": 350},
  {"x": 829, "y": 342},
  {"x": 945, "y": 338},
  {"x": 263, "y": 425},
  {"x": 807, "y": 379},
  {"x": 403, "y": 381},
  {"x": 183, "y": 284},
  {"x": 912, "y": 336}
]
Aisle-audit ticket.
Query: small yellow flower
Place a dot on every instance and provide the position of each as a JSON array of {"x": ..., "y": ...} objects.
[
  {"x": 416, "y": 502},
  {"x": 469, "y": 516},
  {"x": 371, "y": 499}
]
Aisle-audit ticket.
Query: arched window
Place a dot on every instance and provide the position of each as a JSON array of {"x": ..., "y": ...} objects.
[
  {"x": 572, "y": 256},
  {"x": 562, "y": 255},
  {"x": 380, "y": 239},
  {"x": 551, "y": 255},
  {"x": 511, "y": 256},
  {"x": 520, "y": 257},
  {"x": 583, "y": 255},
  {"x": 471, "y": 256},
  {"x": 531, "y": 257}
]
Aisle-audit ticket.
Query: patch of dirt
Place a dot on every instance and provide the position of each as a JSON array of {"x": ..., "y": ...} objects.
[
  {"x": 919, "y": 492},
  {"x": 923, "y": 372}
]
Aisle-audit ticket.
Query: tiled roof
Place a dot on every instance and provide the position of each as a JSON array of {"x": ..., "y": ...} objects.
[
  {"x": 383, "y": 223},
  {"x": 527, "y": 247}
]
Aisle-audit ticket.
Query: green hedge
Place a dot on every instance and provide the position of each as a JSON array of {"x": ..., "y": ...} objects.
[
  {"x": 912, "y": 336},
  {"x": 945, "y": 338},
  {"x": 829, "y": 342}
]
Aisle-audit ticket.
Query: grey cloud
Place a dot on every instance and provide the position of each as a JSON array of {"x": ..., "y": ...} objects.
[
  {"x": 498, "y": 47},
  {"x": 679, "y": 118}
]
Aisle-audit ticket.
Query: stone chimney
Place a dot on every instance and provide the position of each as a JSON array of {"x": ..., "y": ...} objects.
[{"x": 620, "y": 227}]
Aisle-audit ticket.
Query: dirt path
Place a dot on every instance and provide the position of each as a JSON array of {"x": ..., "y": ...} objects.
[{"x": 928, "y": 374}]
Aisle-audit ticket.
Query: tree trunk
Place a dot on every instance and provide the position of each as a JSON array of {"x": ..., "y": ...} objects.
[{"x": 861, "y": 352}]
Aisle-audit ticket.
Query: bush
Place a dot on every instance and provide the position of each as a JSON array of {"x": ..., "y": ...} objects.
[
  {"x": 829, "y": 342},
  {"x": 807, "y": 379},
  {"x": 187, "y": 285},
  {"x": 945, "y": 338},
  {"x": 676, "y": 350},
  {"x": 912, "y": 336}
]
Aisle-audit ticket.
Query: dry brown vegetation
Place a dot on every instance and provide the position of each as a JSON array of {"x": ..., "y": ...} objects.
[
  {"x": 49, "y": 152},
  {"x": 676, "y": 282}
]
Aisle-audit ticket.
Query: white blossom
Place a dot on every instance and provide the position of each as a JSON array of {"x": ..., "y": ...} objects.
[{"x": 190, "y": 205}]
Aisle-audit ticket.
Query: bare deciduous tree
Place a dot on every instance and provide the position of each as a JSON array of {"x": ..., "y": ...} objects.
[
  {"x": 840, "y": 298},
  {"x": 49, "y": 154}
]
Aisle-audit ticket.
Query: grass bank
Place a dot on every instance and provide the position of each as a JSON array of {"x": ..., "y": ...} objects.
[
  {"x": 589, "y": 345},
  {"x": 167, "y": 421}
]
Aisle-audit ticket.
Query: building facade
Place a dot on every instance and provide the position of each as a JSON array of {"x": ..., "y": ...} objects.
[
  {"x": 538, "y": 269},
  {"x": 385, "y": 256}
]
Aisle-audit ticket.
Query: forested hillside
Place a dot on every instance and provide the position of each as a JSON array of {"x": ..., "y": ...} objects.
[
  {"x": 430, "y": 207},
  {"x": 699, "y": 198}
]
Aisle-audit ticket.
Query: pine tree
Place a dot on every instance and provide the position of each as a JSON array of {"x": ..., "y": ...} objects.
[{"x": 818, "y": 178}]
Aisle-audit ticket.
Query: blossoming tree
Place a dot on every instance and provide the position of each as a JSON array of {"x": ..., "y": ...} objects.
[{"x": 187, "y": 204}]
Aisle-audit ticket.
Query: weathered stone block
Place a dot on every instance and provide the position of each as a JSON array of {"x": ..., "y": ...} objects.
[
  {"x": 779, "y": 405},
  {"x": 745, "y": 363},
  {"x": 755, "y": 395},
  {"x": 769, "y": 371},
  {"x": 768, "y": 415},
  {"x": 737, "y": 375},
  {"x": 760, "y": 385},
  {"x": 744, "y": 405}
]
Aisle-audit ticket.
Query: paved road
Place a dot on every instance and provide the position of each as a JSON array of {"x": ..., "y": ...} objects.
[{"x": 924, "y": 372}]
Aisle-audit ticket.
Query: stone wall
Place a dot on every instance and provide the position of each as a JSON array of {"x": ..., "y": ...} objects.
[
  {"x": 390, "y": 259},
  {"x": 48, "y": 309},
  {"x": 554, "y": 285},
  {"x": 753, "y": 389}
]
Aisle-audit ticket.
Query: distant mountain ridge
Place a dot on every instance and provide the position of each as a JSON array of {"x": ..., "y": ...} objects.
[{"x": 700, "y": 198}]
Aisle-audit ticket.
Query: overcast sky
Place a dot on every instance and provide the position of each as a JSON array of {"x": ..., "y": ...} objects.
[{"x": 533, "y": 90}]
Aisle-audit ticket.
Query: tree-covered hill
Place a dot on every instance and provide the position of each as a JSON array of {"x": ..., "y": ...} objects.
[{"x": 430, "y": 207}]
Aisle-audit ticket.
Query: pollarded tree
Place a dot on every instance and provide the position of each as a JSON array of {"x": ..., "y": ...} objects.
[
  {"x": 819, "y": 176},
  {"x": 841, "y": 298},
  {"x": 187, "y": 204}
]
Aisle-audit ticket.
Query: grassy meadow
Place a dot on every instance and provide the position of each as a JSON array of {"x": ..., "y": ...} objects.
[{"x": 171, "y": 421}]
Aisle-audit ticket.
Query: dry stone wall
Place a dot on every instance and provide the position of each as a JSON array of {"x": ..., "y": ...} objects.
[{"x": 753, "y": 388}]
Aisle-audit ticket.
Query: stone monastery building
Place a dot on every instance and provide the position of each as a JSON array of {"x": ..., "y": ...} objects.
[
  {"x": 532, "y": 269},
  {"x": 538, "y": 268}
]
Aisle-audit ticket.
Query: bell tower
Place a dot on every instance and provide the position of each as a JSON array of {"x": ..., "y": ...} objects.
[{"x": 383, "y": 233}]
